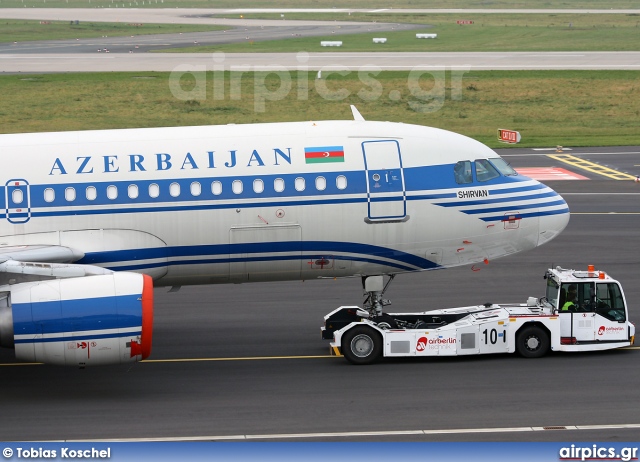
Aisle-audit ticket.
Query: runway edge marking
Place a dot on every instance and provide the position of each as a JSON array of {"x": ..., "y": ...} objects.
[{"x": 280, "y": 436}]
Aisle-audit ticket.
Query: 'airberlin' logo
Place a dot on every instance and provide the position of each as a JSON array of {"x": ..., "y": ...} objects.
[
  {"x": 610, "y": 330},
  {"x": 422, "y": 344}
]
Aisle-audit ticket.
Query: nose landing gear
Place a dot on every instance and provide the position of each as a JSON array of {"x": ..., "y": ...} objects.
[{"x": 374, "y": 287}]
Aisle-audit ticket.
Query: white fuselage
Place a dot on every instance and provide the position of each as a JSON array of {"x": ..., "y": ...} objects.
[{"x": 280, "y": 201}]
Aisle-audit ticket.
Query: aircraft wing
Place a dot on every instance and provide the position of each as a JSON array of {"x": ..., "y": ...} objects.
[
  {"x": 27, "y": 263},
  {"x": 40, "y": 253}
]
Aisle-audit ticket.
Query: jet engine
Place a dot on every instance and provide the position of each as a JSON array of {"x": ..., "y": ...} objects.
[{"x": 83, "y": 321}]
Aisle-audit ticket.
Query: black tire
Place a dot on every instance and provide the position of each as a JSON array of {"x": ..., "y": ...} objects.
[
  {"x": 362, "y": 345},
  {"x": 532, "y": 342}
]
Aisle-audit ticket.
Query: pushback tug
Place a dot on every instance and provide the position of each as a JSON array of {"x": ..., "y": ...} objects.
[{"x": 581, "y": 311}]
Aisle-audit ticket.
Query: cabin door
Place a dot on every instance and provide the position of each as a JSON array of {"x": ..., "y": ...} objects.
[{"x": 386, "y": 198}]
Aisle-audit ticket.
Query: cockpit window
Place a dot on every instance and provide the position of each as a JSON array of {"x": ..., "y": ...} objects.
[
  {"x": 462, "y": 172},
  {"x": 502, "y": 166},
  {"x": 485, "y": 171}
]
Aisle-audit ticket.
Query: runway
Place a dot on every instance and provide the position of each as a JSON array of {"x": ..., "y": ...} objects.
[
  {"x": 247, "y": 363},
  {"x": 127, "y": 54},
  {"x": 166, "y": 62}
]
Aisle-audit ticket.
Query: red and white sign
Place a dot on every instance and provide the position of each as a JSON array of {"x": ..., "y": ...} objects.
[
  {"x": 464, "y": 21},
  {"x": 508, "y": 136},
  {"x": 422, "y": 344}
]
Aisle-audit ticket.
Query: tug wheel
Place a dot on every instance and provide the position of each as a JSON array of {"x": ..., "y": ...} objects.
[
  {"x": 532, "y": 342},
  {"x": 362, "y": 345}
]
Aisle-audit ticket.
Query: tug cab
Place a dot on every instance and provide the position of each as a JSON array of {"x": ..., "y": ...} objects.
[{"x": 591, "y": 306}]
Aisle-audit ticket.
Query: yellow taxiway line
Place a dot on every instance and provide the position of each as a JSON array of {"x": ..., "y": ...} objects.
[
  {"x": 247, "y": 358},
  {"x": 591, "y": 167}
]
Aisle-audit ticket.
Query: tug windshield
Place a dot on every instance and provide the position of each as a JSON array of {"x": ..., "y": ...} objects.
[{"x": 552, "y": 292}]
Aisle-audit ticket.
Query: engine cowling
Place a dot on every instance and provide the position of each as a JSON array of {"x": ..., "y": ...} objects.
[{"x": 86, "y": 321}]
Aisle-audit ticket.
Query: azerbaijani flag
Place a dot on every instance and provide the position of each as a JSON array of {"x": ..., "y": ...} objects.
[{"x": 320, "y": 154}]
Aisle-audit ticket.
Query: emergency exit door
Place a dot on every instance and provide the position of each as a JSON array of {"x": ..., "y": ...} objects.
[
  {"x": 17, "y": 201},
  {"x": 386, "y": 198}
]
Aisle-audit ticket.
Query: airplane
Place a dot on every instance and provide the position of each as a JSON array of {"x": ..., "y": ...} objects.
[{"x": 95, "y": 219}]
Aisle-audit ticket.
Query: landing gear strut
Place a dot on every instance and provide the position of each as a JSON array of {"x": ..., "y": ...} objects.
[{"x": 374, "y": 288}]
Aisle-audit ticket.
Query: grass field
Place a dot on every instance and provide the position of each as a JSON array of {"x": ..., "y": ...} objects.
[
  {"x": 549, "y": 108},
  {"x": 14, "y": 30},
  {"x": 604, "y": 4},
  {"x": 489, "y": 32}
]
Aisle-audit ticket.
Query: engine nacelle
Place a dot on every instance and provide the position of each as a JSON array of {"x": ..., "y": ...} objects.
[{"x": 87, "y": 321}]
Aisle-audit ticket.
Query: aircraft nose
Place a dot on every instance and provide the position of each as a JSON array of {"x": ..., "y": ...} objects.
[{"x": 554, "y": 221}]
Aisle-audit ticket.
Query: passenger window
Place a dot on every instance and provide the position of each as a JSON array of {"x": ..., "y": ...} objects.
[
  {"x": 216, "y": 188},
  {"x": 49, "y": 195},
  {"x": 258, "y": 186},
  {"x": 133, "y": 191},
  {"x": 341, "y": 182},
  {"x": 196, "y": 188},
  {"x": 92, "y": 193},
  {"x": 154, "y": 190},
  {"x": 236, "y": 187},
  {"x": 174, "y": 189},
  {"x": 70, "y": 194},
  {"x": 112, "y": 192},
  {"x": 462, "y": 172},
  {"x": 300, "y": 184},
  {"x": 485, "y": 171},
  {"x": 17, "y": 196},
  {"x": 609, "y": 302},
  {"x": 278, "y": 185},
  {"x": 321, "y": 183}
]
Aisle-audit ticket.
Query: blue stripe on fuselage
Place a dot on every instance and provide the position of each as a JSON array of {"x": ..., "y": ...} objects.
[
  {"x": 500, "y": 200},
  {"x": 421, "y": 183},
  {"x": 511, "y": 208},
  {"x": 425, "y": 178},
  {"x": 234, "y": 252}
]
